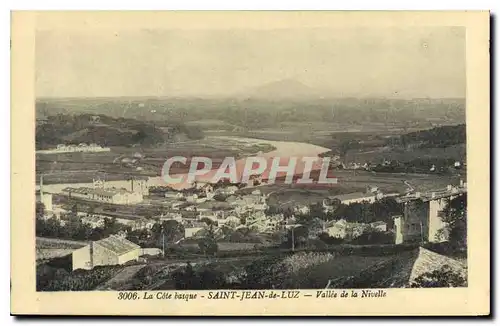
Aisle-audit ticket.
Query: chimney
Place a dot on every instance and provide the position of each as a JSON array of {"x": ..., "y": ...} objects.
[
  {"x": 449, "y": 187},
  {"x": 91, "y": 249},
  {"x": 433, "y": 195}
]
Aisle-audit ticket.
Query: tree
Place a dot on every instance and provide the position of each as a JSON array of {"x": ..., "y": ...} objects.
[
  {"x": 207, "y": 221},
  {"x": 208, "y": 244},
  {"x": 316, "y": 210},
  {"x": 327, "y": 239},
  {"x": 169, "y": 231},
  {"x": 220, "y": 197},
  {"x": 40, "y": 210},
  {"x": 138, "y": 236},
  {"x": 443, "y": 277},
  {"x": 344, "y": 147},
  {"x": 91, "y": 209},
  {"x": 373, "y": 236},
  {"x": 211, "y": 279},
  {"x": 296, "y": 237},
  {"x": 454, "y": 215},
  {"x": 173, "y": 230},
  {"x": 315, "y": 227}
]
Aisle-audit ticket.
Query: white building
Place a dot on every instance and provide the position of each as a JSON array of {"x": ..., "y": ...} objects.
[
  {"x": 379, "y": 226},
  {"x": 62, "y": 148},
  {"x": 304, "y": 209},
  {"x": 231, "y": 221},
  {"x": 93, "y": 220},
  {"x": 105, "y": 195},
  {"x": 190, "y": 232},
  {"x": 172, "y": 194},
  {"x": 141, "y": 224},
  {"x": 171, "y": 216},
  {"x": 227, "y": 190},
  {"x": 113, "y": 250},
  {"x": 337, "y": 229}
]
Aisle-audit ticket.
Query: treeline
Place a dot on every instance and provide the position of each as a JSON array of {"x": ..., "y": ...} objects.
[
  {"x": 262, "y": 113},
  {"x": 420, "y": 165},
  {"x": 439, "y": 137},
  {"x": 108, "y": 131},
  {"x": 74, "y": 229},
  {"x": 57, "y": 279}
]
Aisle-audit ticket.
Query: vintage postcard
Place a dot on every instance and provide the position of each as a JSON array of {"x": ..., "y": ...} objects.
[{"x": 250, "y": 163}]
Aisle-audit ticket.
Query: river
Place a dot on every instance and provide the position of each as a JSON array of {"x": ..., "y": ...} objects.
[{"x": 283, "y": 149}]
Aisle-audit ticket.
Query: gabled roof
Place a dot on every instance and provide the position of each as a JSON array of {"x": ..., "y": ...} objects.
[
  {"x": 97, "y": 191},
  {"x": 117, "y": 245}
]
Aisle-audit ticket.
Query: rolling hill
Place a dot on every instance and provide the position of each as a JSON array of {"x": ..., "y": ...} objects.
[{"x": 108, "y": 131}]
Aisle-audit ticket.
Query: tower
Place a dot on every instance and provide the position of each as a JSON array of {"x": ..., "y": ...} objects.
[{"x": 45, "y": 198}]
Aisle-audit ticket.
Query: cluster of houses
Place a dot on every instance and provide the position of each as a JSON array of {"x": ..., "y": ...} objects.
[
  {"x": 80, "y": 148},
  {"x": 367, "y": 166},
  {"x": 342, "y": 229}
]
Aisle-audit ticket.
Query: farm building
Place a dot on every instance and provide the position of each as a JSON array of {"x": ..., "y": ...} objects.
[
  {"x": 113, "y": 250},
  {"x": 191, "y": 231},
  {"x": 379, "y": 226},
  {"x": 106, "y": 195},
  {"x": 345, "y": 230}
]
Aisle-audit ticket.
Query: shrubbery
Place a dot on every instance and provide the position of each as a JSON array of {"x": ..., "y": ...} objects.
[
  {"x": 49, "y": 279},
  {"x": 443, "y": 277}
]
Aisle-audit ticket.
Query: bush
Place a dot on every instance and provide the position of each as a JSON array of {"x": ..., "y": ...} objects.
[
  {"x": 81, "y": 280},
  {"x": 443, "y": 277},
  {"x": 374, "y": 237}
]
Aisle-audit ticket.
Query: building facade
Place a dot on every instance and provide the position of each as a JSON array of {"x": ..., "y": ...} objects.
[
  {"x": 113, "y": 250},
  {"x": 105, "y": 195}
]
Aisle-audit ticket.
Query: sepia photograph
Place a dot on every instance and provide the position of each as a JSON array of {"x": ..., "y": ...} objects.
[{"x": 299, "y": 157}]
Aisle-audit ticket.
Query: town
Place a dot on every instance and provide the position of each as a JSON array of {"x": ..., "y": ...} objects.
[{"x": 230, "y": 213}]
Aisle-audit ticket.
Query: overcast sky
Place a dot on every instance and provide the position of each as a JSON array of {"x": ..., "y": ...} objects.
[{"x": 410, "y": 62}]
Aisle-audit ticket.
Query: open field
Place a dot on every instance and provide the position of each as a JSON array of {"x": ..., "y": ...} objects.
[
  {"x": 52, "y": 243},
  {"x": 50, "y": 248},
  {"x": 82, "y": 167}
]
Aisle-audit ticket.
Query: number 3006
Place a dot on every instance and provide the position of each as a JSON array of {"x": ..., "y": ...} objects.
[{"x": 128, "y": 296}]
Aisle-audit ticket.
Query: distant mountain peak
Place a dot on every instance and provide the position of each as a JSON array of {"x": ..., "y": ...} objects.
[{"x": 285, "y": 88}]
